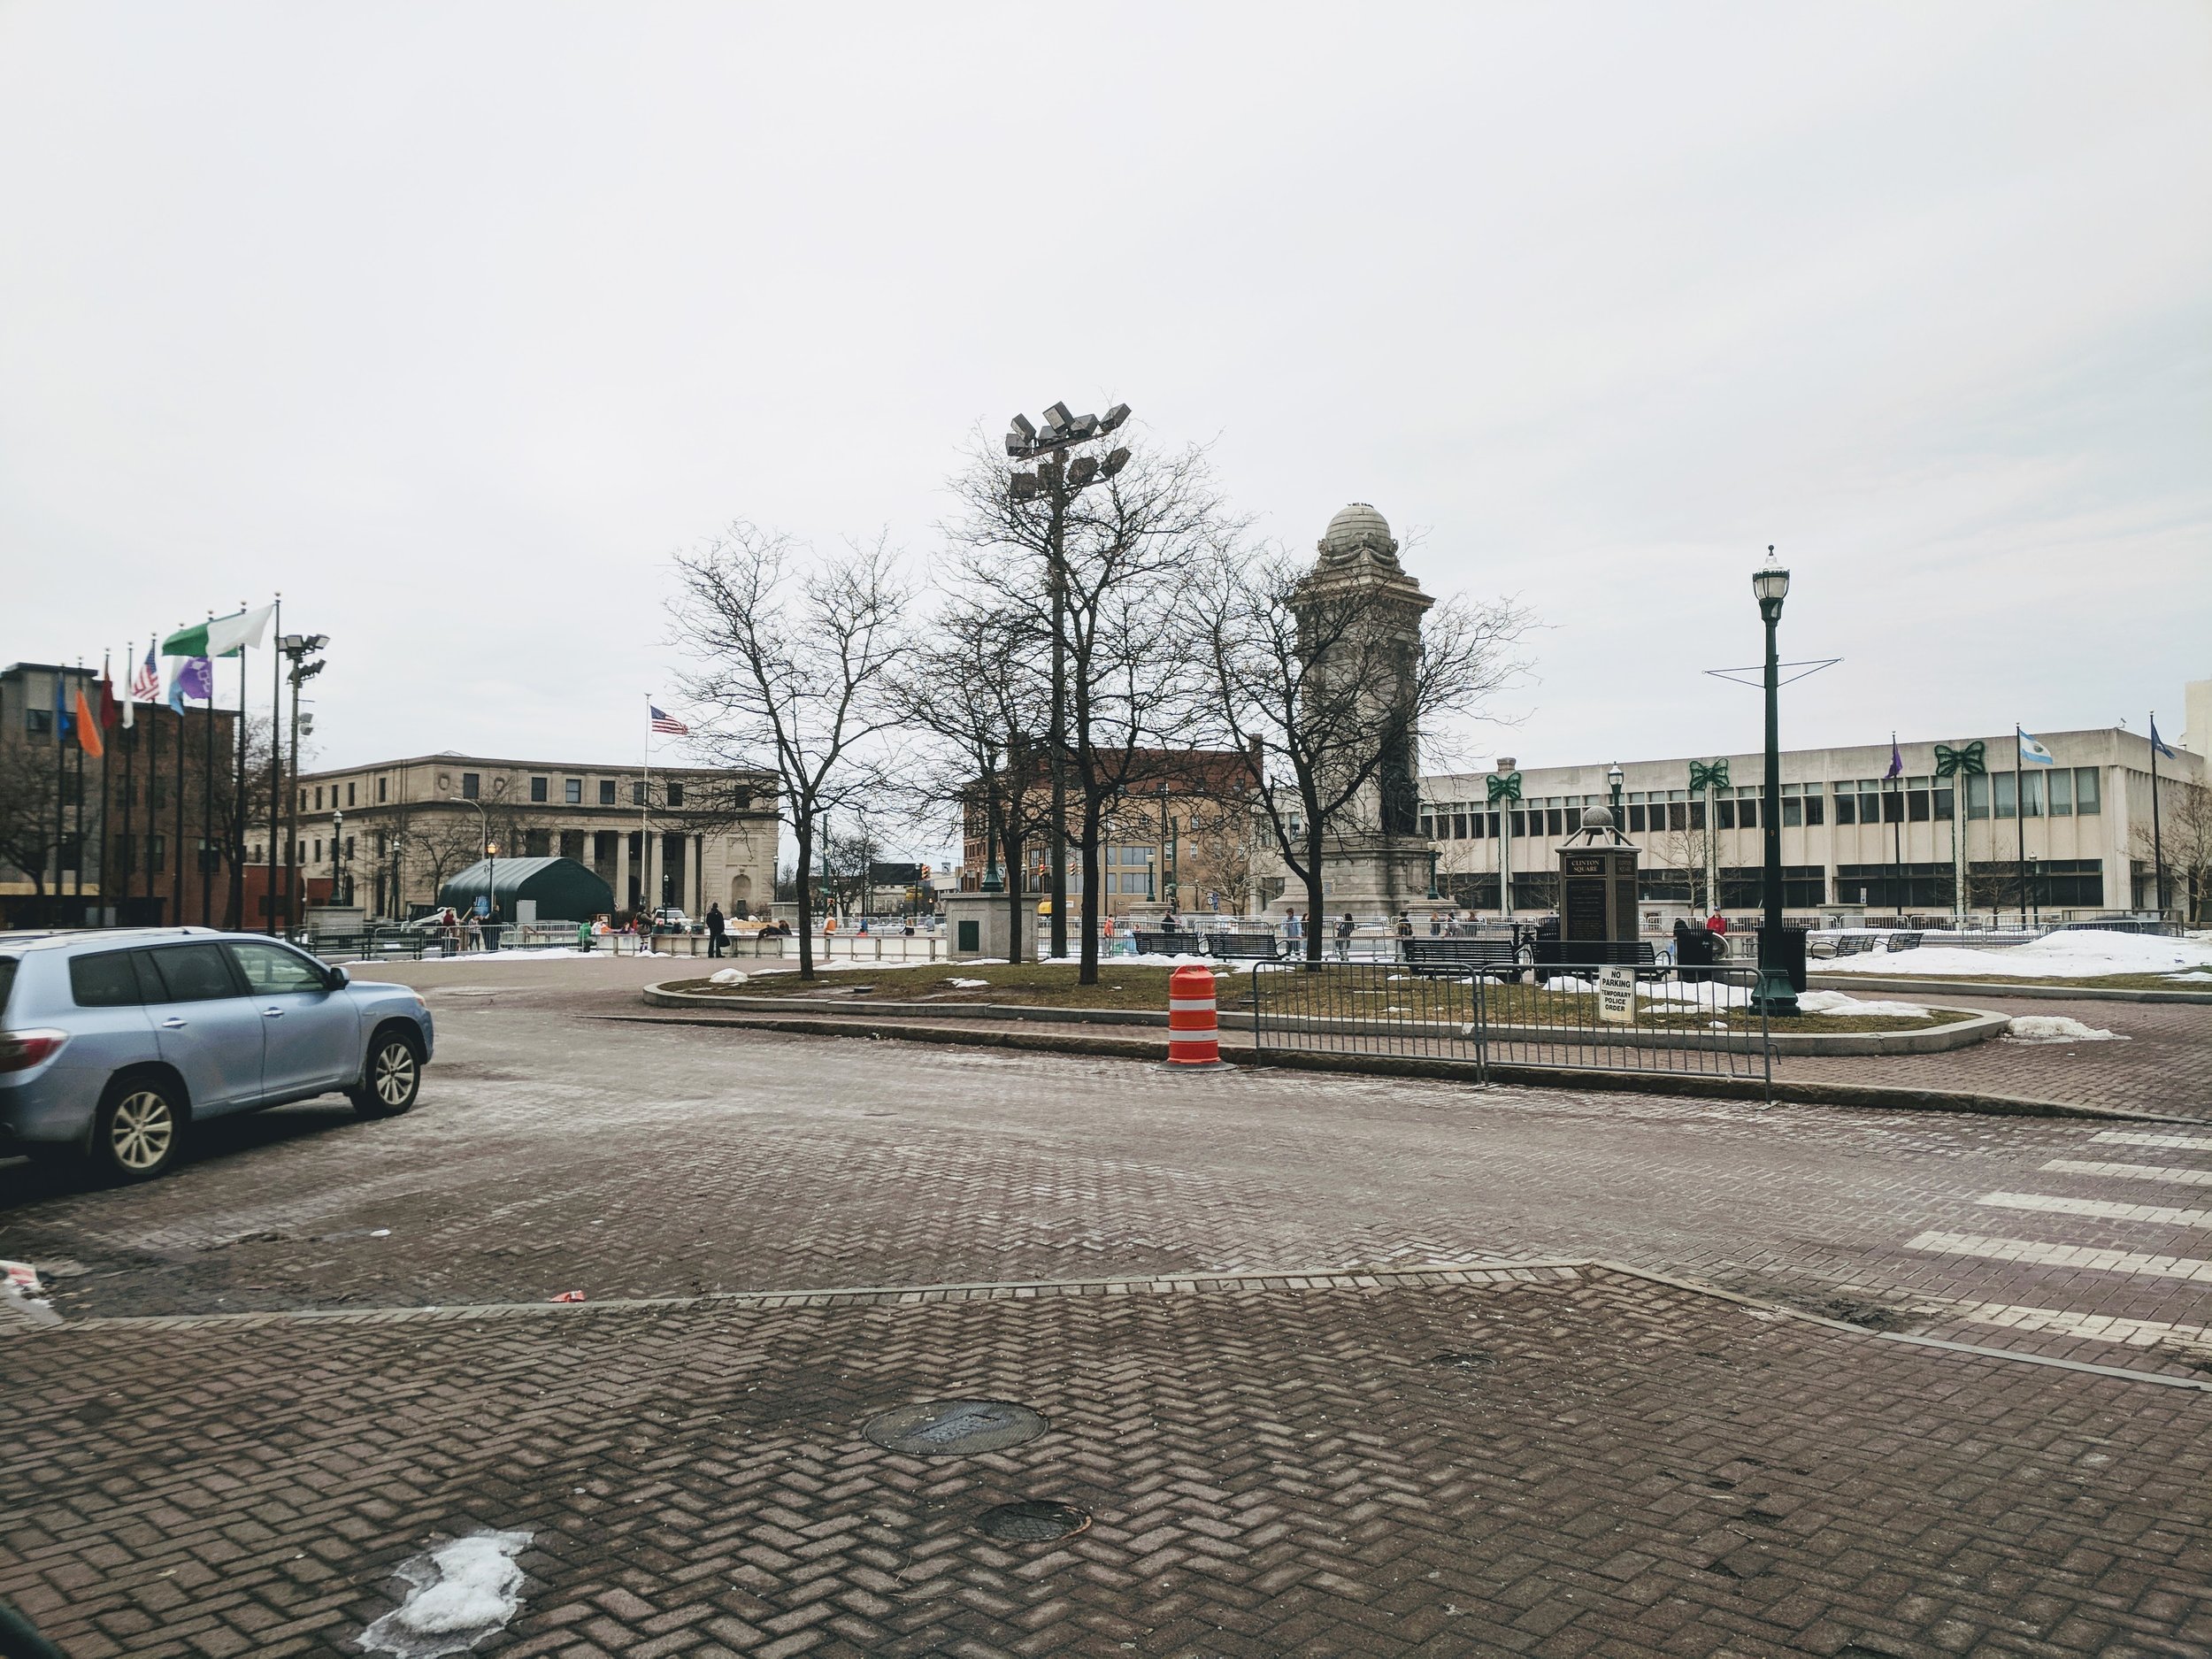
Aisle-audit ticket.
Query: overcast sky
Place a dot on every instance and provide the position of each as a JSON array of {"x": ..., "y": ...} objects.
[{"x": 451, "y": 322}]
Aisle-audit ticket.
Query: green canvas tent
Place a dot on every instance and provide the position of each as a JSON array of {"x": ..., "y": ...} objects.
[{"x": 565, "y": 890}]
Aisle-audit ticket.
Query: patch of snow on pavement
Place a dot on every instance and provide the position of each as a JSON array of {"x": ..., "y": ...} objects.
[
  {"x": 967, "y": 985},
  {"x": 457, "y": 1594},
  {"x": 2056, "y": 1028},
  {"x": 2076, "y": 954}
]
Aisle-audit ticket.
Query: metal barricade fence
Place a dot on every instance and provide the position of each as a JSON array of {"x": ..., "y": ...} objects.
[{"x": 1694, "y": 1022}]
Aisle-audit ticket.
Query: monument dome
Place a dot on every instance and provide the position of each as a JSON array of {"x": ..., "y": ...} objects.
[{"x": 1359, "y": 528}]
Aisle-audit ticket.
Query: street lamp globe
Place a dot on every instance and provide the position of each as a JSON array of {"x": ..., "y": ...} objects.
[
  {"x": 1613, "y": 776},
  {"x": 1771, "y": 585}
]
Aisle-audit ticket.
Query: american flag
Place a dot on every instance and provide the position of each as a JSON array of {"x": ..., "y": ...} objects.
[
  {"x": 146, "y": 683},
  {"x": 666, "y": 724}
]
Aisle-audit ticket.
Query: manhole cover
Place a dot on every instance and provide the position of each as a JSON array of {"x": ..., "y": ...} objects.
[
  {"x": 953, "y": 1428},
  {"x": 1033, "y": 1521}
]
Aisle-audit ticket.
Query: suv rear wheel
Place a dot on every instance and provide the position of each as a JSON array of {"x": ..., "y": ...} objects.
[
  {"x": 139, "y": 1127},
  {"x": 391, "y": 1078}
]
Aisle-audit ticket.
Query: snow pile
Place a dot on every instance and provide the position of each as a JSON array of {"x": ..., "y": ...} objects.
[
  {"x": 726, "y": 976},
  {"x": 457, "y": 1594},
  {"x": 2076, "y": 954},
  {"x": 2056, "y": 1028},
  {"x": 967, "y": 985},
  {"x": 1841, "y": 1002}
]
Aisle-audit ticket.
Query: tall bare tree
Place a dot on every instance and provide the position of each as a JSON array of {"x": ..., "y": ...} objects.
[
  {"x": 1325, "y": 682},
  {"x": 793, "y": 655},
  {"x": 1093, "y": 562},
  {"x": 28, "y": 788},
  {"x": 980, "y": 697},
  {"x": 2184, "y": 840}
]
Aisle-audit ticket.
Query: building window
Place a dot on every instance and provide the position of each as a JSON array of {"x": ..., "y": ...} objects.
[
  {"x": 2086, "y": 793},
  {"x": 2060, "y": 787},
  {"x": 317, "y": 857},
  {"x": 2002, "y": 790},
  {"x": 39, "y": 724},
  {"x": 537, "y": 843},
  {"x": 348, "y": 849},
  {"x": 472, "y": 785},
  {"x": 157, "y": 851},
  {"x": 606, "y": 792},
  {"x": 637, "y": 791},
  {"x": 1977, "y": 796},
  {"x": 348, "y": 794},
  {"x": 318, "y": 797},
  {"x": 2032, "y": 794},
  {"x": 382, "y": 788},
  {"x": 572, "y": 791},
  {"x": 675, "y": 792},
  {"x": 538, "y": 789}
]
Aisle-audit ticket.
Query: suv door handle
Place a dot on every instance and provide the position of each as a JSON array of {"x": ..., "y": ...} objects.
[
  {"x": 272, "y": 1013},
  {"x": 173, "y": 1024}
]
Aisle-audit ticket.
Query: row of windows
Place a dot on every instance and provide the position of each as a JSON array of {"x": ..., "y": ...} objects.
[
  {"x": 473, "y": 789},
  {"x": 2067, "y": 792}
]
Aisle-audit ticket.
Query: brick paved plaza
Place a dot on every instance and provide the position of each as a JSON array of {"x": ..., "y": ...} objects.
[{"x": 323, "y": 1347}]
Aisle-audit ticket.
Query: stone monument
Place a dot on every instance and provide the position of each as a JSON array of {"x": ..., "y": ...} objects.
[{"x": 1375, "y": 862}]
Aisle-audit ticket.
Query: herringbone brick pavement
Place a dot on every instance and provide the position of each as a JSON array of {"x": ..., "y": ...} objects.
[{"x": 1581, "y": 1466}]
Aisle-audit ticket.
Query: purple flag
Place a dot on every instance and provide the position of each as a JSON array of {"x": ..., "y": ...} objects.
[
  {"x": 1896, "y": 760},
  {"x": 195, "y": 679}
]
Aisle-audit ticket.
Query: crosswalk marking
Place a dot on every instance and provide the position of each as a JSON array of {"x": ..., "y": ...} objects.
[
  {"x": 2039, "y": 1255},
  {"x": 2139, "y": 1138},
  {"x": 2098, "y": 1327},
  {"x": 2099, "y": 1208},
  {"x": 2130, "y": 1171}
]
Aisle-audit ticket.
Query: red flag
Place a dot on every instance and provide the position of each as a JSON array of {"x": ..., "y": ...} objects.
[
  {"x": 88, "y": 728},
  {"x": 110, "y": 713}
]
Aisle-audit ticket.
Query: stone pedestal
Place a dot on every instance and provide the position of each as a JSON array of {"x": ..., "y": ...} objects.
[
  {"x": 1599, "y": 918},
  {"x": 975, "y": 927},
  {"x": 1371, "y": 875}
]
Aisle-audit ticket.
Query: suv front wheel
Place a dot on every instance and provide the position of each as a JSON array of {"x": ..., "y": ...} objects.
[
  {"x": 138, "y": 1128},
  {"x": 392, "y": 1077}
]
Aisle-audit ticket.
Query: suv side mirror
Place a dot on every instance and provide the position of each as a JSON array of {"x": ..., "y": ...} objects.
[{"x": 336, "y": 978}]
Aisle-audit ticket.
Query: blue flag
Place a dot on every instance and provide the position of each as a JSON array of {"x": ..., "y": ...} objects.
[
  {"x": 1896, "y": 760},
  {"x": 2158, "y": 742},
  {"x": 63, "y": 723}
]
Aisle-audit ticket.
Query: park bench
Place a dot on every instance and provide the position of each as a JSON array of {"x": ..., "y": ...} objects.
[
  {"x": 1244, "y": 947},
  {"x": 1487, "y": 956},
  {"x": 1904, "y": 941},
  {"x": 1159, "y": 944}
]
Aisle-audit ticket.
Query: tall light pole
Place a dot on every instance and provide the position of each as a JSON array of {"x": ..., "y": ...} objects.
[
  {"x": 337, "y": 861},
  {"x": 1613, "y": 782},
  {"x": 1057, "y": 483},
  {"x": 297, "y": 649},
  {"x": 1776, "y": 995}
]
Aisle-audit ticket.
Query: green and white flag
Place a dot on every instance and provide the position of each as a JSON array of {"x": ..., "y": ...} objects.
[{"x": 219, "y": 636}]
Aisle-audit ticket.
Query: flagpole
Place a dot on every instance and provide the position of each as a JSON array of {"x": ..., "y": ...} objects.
[
  {"x": 176, "y": 864},
  {"x": 2019, "y": 827},
  {"x": 153, "y": 780},
  {"x": 77, "y": 726},
  {"x": 645, "y": 820},
  {"x": 2158, "y": 850},
  {"x": 130, "y": 766},
  {"x": 235, "y": 820},
  {"x": 107, "y": 889},
  {"x": 61, "y": 786},
  {"x": 1897, "y": 832},
  {"x": 276, "y": 755}
]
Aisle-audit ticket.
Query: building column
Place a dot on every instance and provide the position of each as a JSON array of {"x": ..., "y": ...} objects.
[
  {"x": 698, "y": 905},
  {"x": 622, "y": 871}
]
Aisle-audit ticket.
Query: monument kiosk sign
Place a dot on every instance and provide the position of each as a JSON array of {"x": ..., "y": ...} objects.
[{"x": 1598, "y": 918}]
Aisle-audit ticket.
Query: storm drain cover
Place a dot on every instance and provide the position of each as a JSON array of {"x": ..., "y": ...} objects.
[
  {"x": 954, "y": 1428},
  {"x": 1033, "y": 1521}
]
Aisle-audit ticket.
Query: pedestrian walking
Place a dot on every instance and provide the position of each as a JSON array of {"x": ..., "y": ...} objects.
[
  {"x": 1344, "y": 938},
  {"x": 1405, "y": 926},
  {"x": 714, "y": 930},
  {"x": 1294, "y": 931}
]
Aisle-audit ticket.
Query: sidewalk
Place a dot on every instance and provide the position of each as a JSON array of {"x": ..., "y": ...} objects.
[{"x": 1566, "y": 1463}]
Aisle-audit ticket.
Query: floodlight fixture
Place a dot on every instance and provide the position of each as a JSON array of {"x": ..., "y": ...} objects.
[
  {"x": 1115, "y": 461},
  {"x": 1057, "y": 416},
  {"x": 292, "y": 643},
  {"x": 1021, "y": 425},
  {"x": 1114, "y": 417},
  {"x": 1023, "y": 486},
  {"x": 1082, "y": 470}
]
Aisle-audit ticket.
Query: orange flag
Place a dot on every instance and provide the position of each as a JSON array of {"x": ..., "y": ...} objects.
[{"x": 88, "y": 737}]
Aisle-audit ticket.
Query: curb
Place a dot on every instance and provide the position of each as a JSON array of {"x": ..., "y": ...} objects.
[
  {"x": 1979, "y": 1027},
  {"x": 1703, "y": 1085},
  {"x": 2056, "y": 992}
]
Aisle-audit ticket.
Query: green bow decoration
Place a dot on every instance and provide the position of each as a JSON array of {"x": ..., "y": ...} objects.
[
  {"x": 1705, "y": 777},
  {"x": 1967, "y": 761},
  {"x": 1504, "y": 788}
]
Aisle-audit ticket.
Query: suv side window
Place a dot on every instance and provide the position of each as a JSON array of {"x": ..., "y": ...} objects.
[
  {"x": 270, "y": 968},
  {"x": 105, "y": 980},
  {"x": 194, "y": 974}
]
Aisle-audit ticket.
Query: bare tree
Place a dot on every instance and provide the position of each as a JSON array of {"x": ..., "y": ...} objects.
[
  {"x": 795, "y": 656},
  {"x": 443, "y": 843},
  {"x": 28, "y": 788},
  {"x": 1094, "y": 564},
  {"x": 2184, "y": 840},
  {"x": 1329, "y": 686},
  {"x": 981, "y": 700}
]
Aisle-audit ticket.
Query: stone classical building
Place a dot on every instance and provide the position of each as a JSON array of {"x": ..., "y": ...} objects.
[{"x": 390, "y": 833}]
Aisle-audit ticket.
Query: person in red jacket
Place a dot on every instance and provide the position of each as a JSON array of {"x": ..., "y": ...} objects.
[{"x": 1717, "y": 924}]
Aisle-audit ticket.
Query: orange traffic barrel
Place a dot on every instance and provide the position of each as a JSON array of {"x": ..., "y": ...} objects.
[{"x": 1193, "y": 1032}]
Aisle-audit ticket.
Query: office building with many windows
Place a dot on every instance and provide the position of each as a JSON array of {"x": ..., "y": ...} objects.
[{"x": 2073, "y": 836}]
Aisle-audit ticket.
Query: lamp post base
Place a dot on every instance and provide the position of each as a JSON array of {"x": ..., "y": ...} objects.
[{"x": 1774, "y": 997}]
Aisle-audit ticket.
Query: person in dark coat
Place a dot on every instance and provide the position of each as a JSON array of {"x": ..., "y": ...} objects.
[{"x": 714, "y": 930}]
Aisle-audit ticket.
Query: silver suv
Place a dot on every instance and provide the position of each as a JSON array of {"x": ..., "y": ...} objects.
[{"x": 113, "y": 1042}]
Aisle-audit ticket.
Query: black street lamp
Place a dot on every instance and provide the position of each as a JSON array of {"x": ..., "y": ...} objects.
[
  {"x": 1776, "y": 996},
  {"x": 1057, "y": 482},
  {"x": 1613, "y": 782},
  {"x": 298, "y": 650}
]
